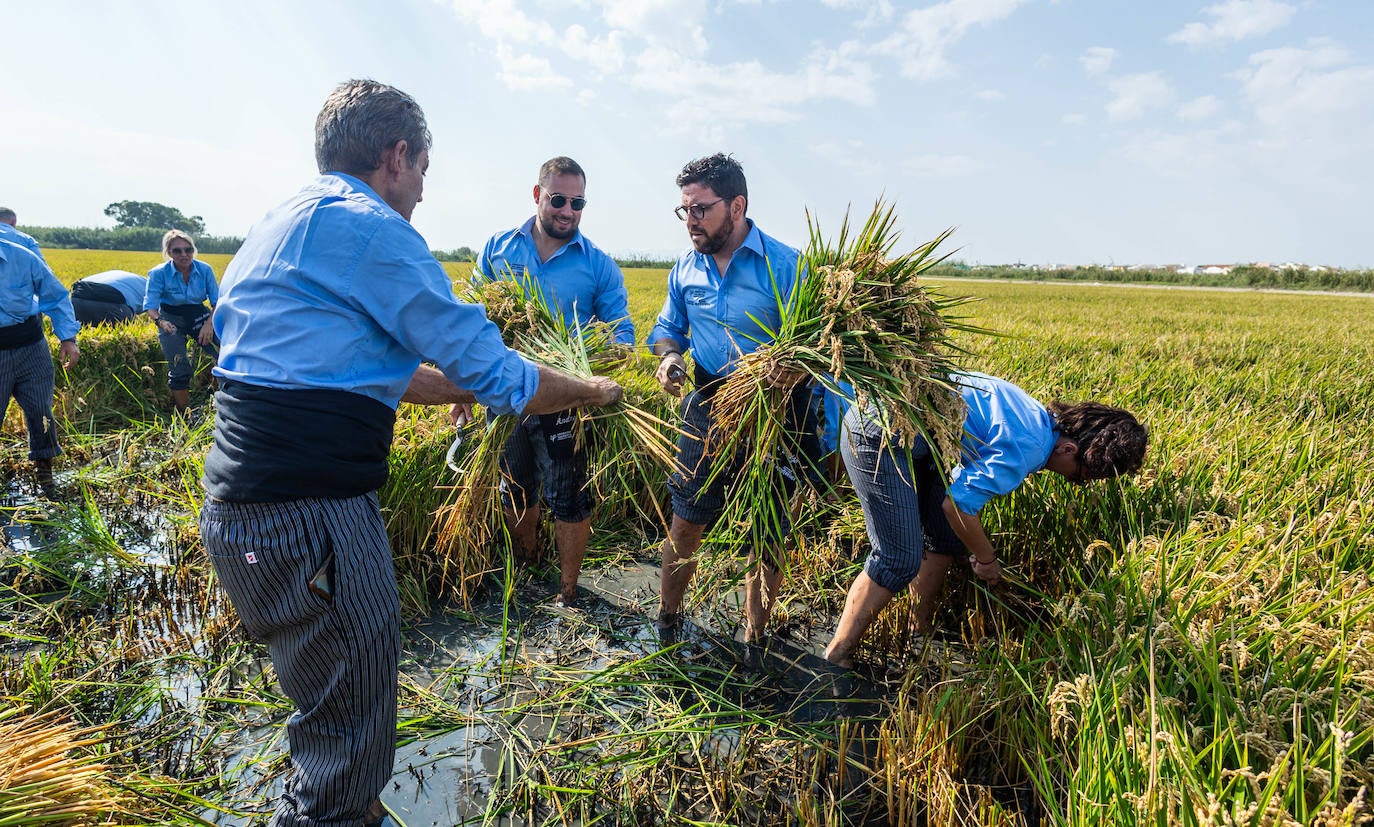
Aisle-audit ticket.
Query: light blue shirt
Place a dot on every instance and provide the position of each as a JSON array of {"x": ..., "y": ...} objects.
[
  {"x": 28, "y": 287},
  {"x": 578, "y": 280},
  {"x": 1008, "y": 436},
  {"x": 709, "y": 312},
  {"x": 131, "y": 286},
  {"x": 166, "y": 287},
  {"x": 10, "y": 234},
  {"x": 335, "y": 290}
]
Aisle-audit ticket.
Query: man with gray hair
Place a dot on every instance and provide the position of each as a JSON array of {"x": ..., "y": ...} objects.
[
  {"x": 8, "y": 222},
  {"x": 324, "y": 317}
]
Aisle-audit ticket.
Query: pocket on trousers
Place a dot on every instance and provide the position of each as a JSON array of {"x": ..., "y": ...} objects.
[{"x": 269, "y": 578}]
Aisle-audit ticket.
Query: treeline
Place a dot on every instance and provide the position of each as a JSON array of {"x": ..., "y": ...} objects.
[
  {"x": 139, "y": 239},
  {"x": 1355, "y": 281}
]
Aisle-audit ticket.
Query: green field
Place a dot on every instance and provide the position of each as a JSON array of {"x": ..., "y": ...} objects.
[{"x": 1192, "y": 646}]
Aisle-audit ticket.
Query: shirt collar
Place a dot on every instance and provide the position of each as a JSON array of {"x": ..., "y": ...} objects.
[{"x": 527, "y": 230}]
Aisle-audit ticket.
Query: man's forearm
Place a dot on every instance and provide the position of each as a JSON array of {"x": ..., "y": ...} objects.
[
  {"x": 558, "y": 392},
  {"x": 429, "y": 386},
  {"x": 665, "y": 346}
]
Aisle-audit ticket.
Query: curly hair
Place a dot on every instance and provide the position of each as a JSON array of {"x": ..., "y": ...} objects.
[
  {"x": 1111, "y": 441},
  {"x": 721, "y": 172}
]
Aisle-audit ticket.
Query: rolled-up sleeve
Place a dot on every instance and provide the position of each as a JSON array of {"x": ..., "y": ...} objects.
[{"x": 428, "y": 320}]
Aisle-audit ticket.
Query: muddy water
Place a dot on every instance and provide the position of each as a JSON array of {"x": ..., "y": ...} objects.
[
  {"x": 497, "y": 687},
  {"x": 495, "y": 702}
]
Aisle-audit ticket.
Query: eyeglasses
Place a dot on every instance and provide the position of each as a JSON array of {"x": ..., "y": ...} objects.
[
  {"x": 176, "y": 251},
  {"x": 558, "y": 199},
  {"x": 696, "y": 211}
]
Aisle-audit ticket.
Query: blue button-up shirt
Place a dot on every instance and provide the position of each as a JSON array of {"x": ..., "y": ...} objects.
[
  {"x": 23, "y": 239},
  {"x": 131, "y": 286},
  {"x": 28, "y": 287},
  {"x": 1008, "y": 436},
  {"x": 710, "y": 312},
  {"x": 335, "y": 290},
  {"x": 166, "y": 287},
  {"x": 578, "y": 280}
]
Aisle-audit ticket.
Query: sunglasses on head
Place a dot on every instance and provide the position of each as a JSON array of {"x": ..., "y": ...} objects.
[
  {"x": 176, "y": 251},
  {"x": 558, "y": 199}
]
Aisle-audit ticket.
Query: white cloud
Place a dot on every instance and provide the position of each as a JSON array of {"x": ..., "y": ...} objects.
[
  {"x": 1137, "y": 94},
  {"x": 667, "y": 24},
  {"x": 747, "y": 91},
  {"x": 501, "y": 21},
  {"x": 1199, "y": 109},
  {"x": 852, "y": 155},
  {"x": 1074, "y": 118},
  {"x": 1235, "y": 20},
  {"x": 528, "y": 73},
  {"x": 605, "y": 54},
  {"x": 1297, "y": 88},
  {"x": 1097, "y": 60},
  {"x": 991, "y": 95},
  {"x": 925, "y": 35}
]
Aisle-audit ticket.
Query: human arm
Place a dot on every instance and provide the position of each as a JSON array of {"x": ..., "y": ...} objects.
[
  {"x": 152, "y": 300},
  {"x": 55, "y": 302},
  {"x": 612, "y": 302},
  {"x": 969, "y": 529},
  {"x": 429, "y": 386},
  {"x": 672, "y": 367}
]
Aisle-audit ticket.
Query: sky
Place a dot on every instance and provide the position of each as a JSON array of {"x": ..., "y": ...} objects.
[{"x": 1047, "y": 131}]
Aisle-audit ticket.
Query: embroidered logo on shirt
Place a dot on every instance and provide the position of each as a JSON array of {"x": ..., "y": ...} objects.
[
  {"x": 699, "y": 296},
  {"x": 251, "y": 557}
]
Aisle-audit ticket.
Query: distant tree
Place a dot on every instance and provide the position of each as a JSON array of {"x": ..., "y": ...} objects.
[
  {"x": 153, "y": 214},
  {"x": 457, "y": 254}
]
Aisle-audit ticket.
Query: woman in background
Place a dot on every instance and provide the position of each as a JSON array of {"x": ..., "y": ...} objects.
[{"x": 181, "y": 298}]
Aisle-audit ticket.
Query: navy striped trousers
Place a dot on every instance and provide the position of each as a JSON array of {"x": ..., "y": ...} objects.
[
  {"x": 26, "y": 374},
  {"x": 313, "y": 579}
]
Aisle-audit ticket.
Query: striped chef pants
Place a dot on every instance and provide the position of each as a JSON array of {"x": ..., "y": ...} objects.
[
  {"x": 26, "y": 374},
  {"x": 313, "y": 579}
]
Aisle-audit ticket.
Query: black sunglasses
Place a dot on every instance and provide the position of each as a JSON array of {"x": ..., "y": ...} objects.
[
  {"x": 558, "y": 199},
  {"x": 176, "y": 251}
]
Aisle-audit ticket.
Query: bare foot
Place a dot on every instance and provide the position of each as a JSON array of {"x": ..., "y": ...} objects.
[
  {"x": 567, "y": 598},
  {"x": 842, "y": 661}
]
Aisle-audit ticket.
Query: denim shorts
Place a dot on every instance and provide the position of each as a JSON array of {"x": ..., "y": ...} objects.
[
  {"x": 904, "y": 520},
  {"x": 543, "y": 454}
]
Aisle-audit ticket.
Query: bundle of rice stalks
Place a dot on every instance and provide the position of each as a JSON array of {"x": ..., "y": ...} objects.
[
  {"x": 46, "y": 777},
  {"x": 632, "y": 442},
  {"x": 859, "y": 318}
]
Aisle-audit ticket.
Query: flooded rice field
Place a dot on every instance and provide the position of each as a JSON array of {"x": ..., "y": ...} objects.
[{"x": 515, "y": 710}]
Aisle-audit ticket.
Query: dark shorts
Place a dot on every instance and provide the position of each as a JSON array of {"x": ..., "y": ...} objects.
[
  {"x": 905, "y": 516},
  {"x": 699, "y": 499},
  {"x": 543, "y": 454}
]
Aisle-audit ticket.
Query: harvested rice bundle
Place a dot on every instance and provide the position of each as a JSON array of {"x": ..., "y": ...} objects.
[
  {"x": 859, "y": 318},
  {"x": 633, "y": 443},
  {"x": 48, "y": 776}
]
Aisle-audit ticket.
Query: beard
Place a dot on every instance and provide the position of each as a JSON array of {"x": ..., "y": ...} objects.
[
  {"x": 711, "y": 243},
  {"x": 552, "y": 231}
]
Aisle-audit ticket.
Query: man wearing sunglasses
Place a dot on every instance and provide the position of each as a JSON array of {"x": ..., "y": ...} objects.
[
  {"x": 551, "y": 258},
  {"x": 723, "y": 297},
  {"x": 325, "y": 314}
]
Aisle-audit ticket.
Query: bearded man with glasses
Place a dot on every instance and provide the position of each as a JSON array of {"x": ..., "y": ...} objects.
[
  {"x": 551, "y": 258},
  {"x": 723, "y": 297}
]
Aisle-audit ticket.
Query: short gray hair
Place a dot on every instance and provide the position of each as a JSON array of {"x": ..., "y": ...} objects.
[
  {"x": 8, "y": 216},
  {"x": 362, "y": 119}
]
